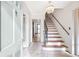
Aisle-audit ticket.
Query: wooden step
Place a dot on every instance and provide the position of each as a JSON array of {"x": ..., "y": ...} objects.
[
  {"x": 54, "y": 49},
  {"x": 52, "y": 30},
  {"x": 51, "y": 48},
  {"x": 54, "y": 37},
  {"x": 54, "y": 46},
  {"x": 53, "y": 33},
  {"x": 50, "y": 24},
  {"x": 55, "y": 41},
  {"x": 51, "y": 27}
]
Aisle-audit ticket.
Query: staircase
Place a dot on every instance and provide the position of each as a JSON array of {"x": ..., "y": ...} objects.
[{"x": 54, "y": 39}]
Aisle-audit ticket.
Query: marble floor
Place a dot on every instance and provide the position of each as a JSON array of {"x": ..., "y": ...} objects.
[{"x": 35, "y": 50}]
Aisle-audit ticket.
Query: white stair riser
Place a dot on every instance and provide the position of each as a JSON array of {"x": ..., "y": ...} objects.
[
  {"x": 52, "y": 32},
  {"x": 53, "y": 35},
  {"x": 48, "y": 48},
  {"x": 54, "y": 43},
  {"x": 50, "y": 24},
  {"x": 51, "y": 27},
  {"x": 54, "y": 39}
]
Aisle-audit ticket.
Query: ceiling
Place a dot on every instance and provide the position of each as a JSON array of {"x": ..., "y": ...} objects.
[{"x": 37, "y": 8}]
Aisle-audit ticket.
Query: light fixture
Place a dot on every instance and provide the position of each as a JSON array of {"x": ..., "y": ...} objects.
[{"x": 50, "y": 9}]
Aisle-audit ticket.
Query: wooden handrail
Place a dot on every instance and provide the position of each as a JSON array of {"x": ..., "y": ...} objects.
[
  {"x": 60, "y": 24},
  {"x": 45, "y": 32},
  {"x": 45, "y": 26}
]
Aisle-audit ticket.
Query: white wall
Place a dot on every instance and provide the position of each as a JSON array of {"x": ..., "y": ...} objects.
[
  {"x": 66, "y": 17},
  {"x": 28, "y": 24},
  {"x": 9, "y": 45},
  {"x": 12, "y": 26},
  {"x": 76, "y": 24}
]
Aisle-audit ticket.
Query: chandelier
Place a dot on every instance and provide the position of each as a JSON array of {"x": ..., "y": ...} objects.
[{"x": 50, "y": 9}]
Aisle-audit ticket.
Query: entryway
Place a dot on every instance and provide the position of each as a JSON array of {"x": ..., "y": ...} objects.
[{"x": 36, "y": 31}]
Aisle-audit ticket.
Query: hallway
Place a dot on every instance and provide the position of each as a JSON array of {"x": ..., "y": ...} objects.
[
  {"x": 39, "y": 29},
  {"x": 53, "y": 47},
  {"x": 35, "y": 50}
]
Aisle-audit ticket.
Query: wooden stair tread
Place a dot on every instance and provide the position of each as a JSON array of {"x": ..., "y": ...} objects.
[
  {"x": 50, "y": 24},
  {"x": 55, "y": 40},
  {"x": 55, "y": 46},
  {"x": 52, "y": 30},
  {"x": 53, "y": 33},
  {"x": 51, "y": 27},
  {"x": 54, "y": 37}
]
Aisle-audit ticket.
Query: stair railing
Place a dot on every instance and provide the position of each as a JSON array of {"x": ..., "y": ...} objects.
[
  {"x": 45, "y": 32},
  {"x": 59, "y": 24}
]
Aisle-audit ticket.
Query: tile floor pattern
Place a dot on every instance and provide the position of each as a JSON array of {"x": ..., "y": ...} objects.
[{"x": 35, "y": 50}]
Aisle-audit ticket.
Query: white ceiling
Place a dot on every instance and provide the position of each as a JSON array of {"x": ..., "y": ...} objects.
[{"x": 37, "y": 8}]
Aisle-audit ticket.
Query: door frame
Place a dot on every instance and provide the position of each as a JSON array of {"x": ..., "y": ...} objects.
[{"x": 76, "y": 31}]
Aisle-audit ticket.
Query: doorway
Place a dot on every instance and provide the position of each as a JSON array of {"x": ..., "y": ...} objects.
[{"x": 35, "y": 30}]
